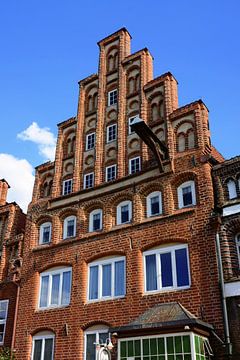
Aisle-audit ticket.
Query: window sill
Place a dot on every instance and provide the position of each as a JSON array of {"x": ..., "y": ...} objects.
[
  {"x": 50, "y": 308},
  {"x": 105, "y": 299},
  {"x": 167, "y": 290}
]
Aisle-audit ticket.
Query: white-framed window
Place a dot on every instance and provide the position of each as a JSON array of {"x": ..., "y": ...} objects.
[
  {"x": 154, "y": 204},
  {"x": 88, "y": 180},
  {"x": 238, "y": 247},
  {"x": 111, "y": 132},
  {"x": 55, "y": 288},
  {"x": 106, "y": 279},
  {"x": 90, "y": 141},
  {"x": 67, "y": 187},
  {"x": 69, "y": 227},
  {"x": 124, "y": 212},
  {"x": 135, "y": 165},
  {"x": 43, "y": 346},
  {"x": 3, "y": 319},
  {"x": 95, "y": 220},
  {"x": 111, "y": 172},
  {"x": 112, "y": 97},
  {"x": 45, "y": 233},
  {"x": 130, "y": 120},
  {"x": 93, "y": 335},
  {"x": 166, "y": 268},
  {"x": 186, "y": 194},
  {"x": 232, "y": 191}
]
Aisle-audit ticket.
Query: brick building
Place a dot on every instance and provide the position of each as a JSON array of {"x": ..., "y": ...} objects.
[
  {"x": 227, "y": 184},
  {"x": 12, "y": 224},
  {"x": 119, "y": 244}
]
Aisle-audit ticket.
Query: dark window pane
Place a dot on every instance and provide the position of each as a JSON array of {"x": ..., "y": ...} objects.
[
  {"x": 37, "y": 349},
  {"x": 161, "y": 346},
  {"x": 186, "y": 344},
  {"x": 170, "y": 348},
  {"x": 146, "y": 350},
  {"x": 123, "y": 349},
  {"x": 124, "y": 214},
  {"x": 70, "y": 228},
  {"x": 166, "y": 269},
  {"x": 137, "y": 346},
  {"x": 130, "y": 348},
  {"x": 106, "y": 280},
  {"x": 155, "y": 209},
  {"x": 96, "y": 221},
  {"x": 119, "y": 281},
  {"x": 182, "y": 267},
  {"x": 187, "y": 196},
  {"x": 178, "y": 344},
  {"x": 48, "y": 351},
  {"x": 93, "y": 283},
  {"x": 151, "y": 272},
  {"x": 153, "y": 346},
  {"x": 91, "y": 347}
]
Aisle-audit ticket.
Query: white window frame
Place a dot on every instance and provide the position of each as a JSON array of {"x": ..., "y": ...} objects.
[
  {"x": 54, "y": 271},
  {"x": 237, "y": 239},
  {"x": 130, "y": 165},
  {"x": 100, "y": 263},
  {"x": 41, "y": 232},
  {"x": 92, "y": 213},
  {"x": 130, "y": 120},
  {"x": 119, "y": 207},
  {"x": 65, "y": 226},
  {"x": 180, "y": 194},
  {"x": 4, "y": 321},
  {"x": 149, "y": 197},
  {"x": 157, "y": 252},
  {"x": 110, "y": 93},
  {"x": 88, "y": 143},
  {"x": 108, "y": 132},
  {"x": 109, "y": 167},
  {"x": 85, "y": 180},
  {"x": 101, "y": 329},
  {"x": 63, "y": 189},
  {"x": 43, "y": 338},
  {"x": 232, "y": 189}
]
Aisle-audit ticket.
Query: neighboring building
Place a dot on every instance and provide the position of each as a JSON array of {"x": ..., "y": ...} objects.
[
  {"x": 119, "y": 242},
  {"x": 227, "y": 184},
  {"x": 12, "y": 224}
]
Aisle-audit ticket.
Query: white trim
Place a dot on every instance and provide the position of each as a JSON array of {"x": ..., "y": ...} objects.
[
  {"x": 50, "y": 273},
  {"x": 130, "y": 165},
  {"x": 92, "y": 213},
  {"x": 63, "y": 186},
  {"x": 106, "y": 172},
  {"x": 42, "y": 337},
  {"x": 108, "y": 130},
  {"x": 103, "y": 330},
  {"x": 109, "y": 97},
  {"x": 130, "y": 119},
  {"x": 65, "y": 226},
  {"x": 231, "y": 210},
  {"x": 87, "y": 141},
  {"x": 149, "y": 197},
  {"x": 41, "y": 232},
  {"x": 4, "y": 321},
  {"x": 99, "y": 263},
  {"x": 119, "y": 213},
  {"x": 232, "y": 289},
  {"x": 157, "y": 252},
  {"x": 85, "y": 180},
  {"x": 180, "y": 194}
]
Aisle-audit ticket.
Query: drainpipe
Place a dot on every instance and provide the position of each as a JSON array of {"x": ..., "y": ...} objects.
[
  {"x": 15, "y": 320},
  {"x": 224, "y": 303}
]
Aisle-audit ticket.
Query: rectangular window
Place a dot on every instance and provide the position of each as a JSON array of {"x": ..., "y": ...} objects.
[
  {"x": 111, "y": 132},
  {"x": 112, "y": 97},
  {"x": 107, "y": 279},
  {"x": 46, "y": 234},
  {"x": 70, "y": 228},
  {"x": 42, "y": 347},
  {"x": 90, "y": 141},
  {"x": 167, "y": 268},
  {"x": 91, "y": 338},
  {"x": 88, "y": 181},
  {"x": 55, "y": 288},
  {"x": 3, "y": 319},
  {"x": 130, "y": 120},
  {"x": 124, "y": 214},
  {"x": 67, "y": 187},
  {"x": 155, "y": 208},
  {"x": 96, "y": 221},
  {"x": 111, "y": 172},
  {"x": 187, "y": 196},
  {"x": 134, "y": 165}
]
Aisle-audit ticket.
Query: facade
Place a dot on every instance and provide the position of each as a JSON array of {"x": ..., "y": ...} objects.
[
  {"x": 119, "y": 245},
  {"x": 227, "y": 184},
  {"x": 12, "y": 224}
]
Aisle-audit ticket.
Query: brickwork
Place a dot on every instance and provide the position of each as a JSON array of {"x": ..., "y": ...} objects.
[{"x": 185, "y": 133}]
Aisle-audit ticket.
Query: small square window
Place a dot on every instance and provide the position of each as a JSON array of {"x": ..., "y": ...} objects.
[
  {"x": 134, "y": 165},
  {"x": 88, "y": 181},
  {"x": 111, "y": 173},
  {"x": 112, "y": 97},
  {"x": 186, "y": 194},
  {"x": 111, "y": 132},
  {"x": 90, "y": 141},
  {"x": 130, "y": 120},
  {"x": 45, "y": 233},
  {"x": 67, "y": 187}
]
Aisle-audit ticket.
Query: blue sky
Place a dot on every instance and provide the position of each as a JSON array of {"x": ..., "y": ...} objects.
[{"x": 48, "y": 45}]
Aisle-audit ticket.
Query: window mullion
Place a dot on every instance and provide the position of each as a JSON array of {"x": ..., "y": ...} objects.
[
  {"x": 42, "y": 349},
  {"x": 174, "y": 270},
  {"x": 159, "y": 272},
  {"x": 49, "y": 292},
  {"x": 100, "y": 282}
]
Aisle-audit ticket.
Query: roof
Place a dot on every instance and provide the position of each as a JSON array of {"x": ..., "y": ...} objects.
[
  {"x": 163, "y": 316},
  {"x": 231, "y": 161}
]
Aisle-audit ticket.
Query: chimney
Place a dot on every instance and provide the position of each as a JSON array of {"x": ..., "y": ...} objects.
[{"x": 3, "y": 191}]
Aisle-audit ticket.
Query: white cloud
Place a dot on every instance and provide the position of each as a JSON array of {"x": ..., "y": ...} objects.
[
  {"x": 19, "y": 174},
  {"x": 43, "y": 137}
]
